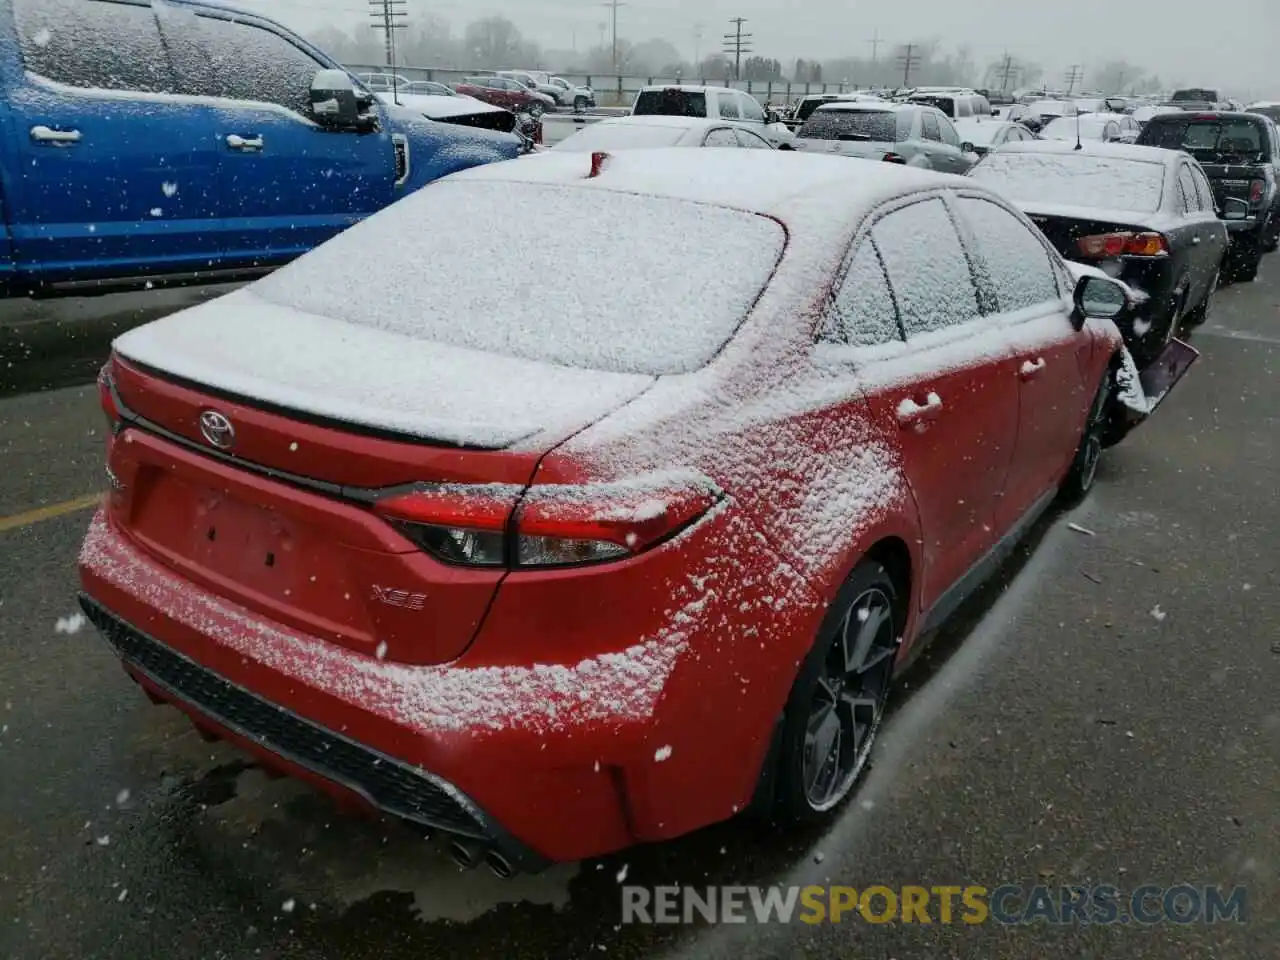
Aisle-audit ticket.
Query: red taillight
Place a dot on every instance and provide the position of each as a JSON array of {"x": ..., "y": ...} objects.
[
  {"x": 107, "y": 397},
  {"x": 1123, "y": 244},
  {"x": 894, "y": 158},
  {"x": 1256, "y": 189},
  {"x": 554, "y": 525}
]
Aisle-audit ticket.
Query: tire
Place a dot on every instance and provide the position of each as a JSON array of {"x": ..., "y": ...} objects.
[
  {"x": 1201, "y": 313},
  {"x": 1246, "y": 258},
  {"x": 580, "y": 105},
  {"x": 834, "y": 711},
  {"x": 537, "y": 109},
  {"x": 1149, "y": 346},
  {"x": 1084, "y": 467}
]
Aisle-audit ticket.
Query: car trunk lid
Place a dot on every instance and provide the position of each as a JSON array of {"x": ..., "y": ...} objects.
[{"x": 263, "y": 491}]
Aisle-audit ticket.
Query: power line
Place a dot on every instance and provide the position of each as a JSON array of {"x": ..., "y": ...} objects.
[
  {"x": 908, "y": 58},
  {"x": 697, "y": 43},
  {"x": 392, "y": 16},
  {"x": 613, "y": 6},
  {"x": 737, "y": 43}
]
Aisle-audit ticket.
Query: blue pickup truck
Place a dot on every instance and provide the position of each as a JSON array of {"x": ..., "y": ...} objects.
[{"x": 161, "y": 142}]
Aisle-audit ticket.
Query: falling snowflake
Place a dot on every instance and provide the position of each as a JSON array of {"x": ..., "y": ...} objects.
[
  {"x": 157, "y": 212},
  {"x": 170, "y": 189},
  {"x": 123, "y": 893},
  {"x": 382, "y": 650},
  {"x": 1158, "y": 613},
  {"x": 70, "y": 625},
  {"x": 288, "y": 906},
  {"x": 42, "y": 38},
  {"x": 663, "y": 753},
  {"x": 622, "y": 874},
  {"x": 104, "y": 840},
  {"x": 293, "y": 447},
  {"x": 122, "y": 797}
]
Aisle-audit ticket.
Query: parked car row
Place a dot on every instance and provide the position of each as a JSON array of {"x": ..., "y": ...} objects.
[{"x": 525, "y": 91}]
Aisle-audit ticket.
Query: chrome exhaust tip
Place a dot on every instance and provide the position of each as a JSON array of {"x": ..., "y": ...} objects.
[
  {"x": 464, "y": 854},
  {"x": 500, "y": 865}
]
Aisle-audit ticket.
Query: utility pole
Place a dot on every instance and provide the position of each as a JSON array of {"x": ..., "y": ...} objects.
[
  {"x": 737, "y": 43},
  {"x": 908, "y": 58},
  {"x": 389, "y": 16},
  {"x": 697, "y": 46},
  {"x": 1073, "y": 77},
  {"x": 875, "y": 42},
  {"x": 613, "y": 6},
  {"x": 1007, "y": 71}
]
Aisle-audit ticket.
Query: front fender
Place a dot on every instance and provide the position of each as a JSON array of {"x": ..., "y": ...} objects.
[{"x": 438, "y": 149}]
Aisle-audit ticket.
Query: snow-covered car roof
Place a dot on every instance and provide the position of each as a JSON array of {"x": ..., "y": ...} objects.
[
  {"x": 648, "y": 131},
  {"x": 1264, "y": 103},
  {"x": 436, "y": 107},
  {"x": 805, "y": 192},
  {"x": 1120, "y": 151}
]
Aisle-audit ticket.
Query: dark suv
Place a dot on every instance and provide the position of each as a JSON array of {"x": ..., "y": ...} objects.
[{"x": 1239, "y": 153}]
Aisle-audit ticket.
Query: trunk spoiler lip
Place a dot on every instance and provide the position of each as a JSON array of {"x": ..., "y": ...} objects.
[{"x": 301, "y": 416}]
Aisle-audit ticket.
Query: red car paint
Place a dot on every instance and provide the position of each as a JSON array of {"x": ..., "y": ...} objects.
[
  {"x": 509, "y": 99},
  {"x": 582, "y": 709}
]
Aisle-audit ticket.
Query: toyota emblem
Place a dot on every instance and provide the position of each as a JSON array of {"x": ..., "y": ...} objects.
[{"x": 217, "y": 429}]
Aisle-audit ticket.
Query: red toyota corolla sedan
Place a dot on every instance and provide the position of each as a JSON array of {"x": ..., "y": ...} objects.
[{"x": 557, "y": 568}]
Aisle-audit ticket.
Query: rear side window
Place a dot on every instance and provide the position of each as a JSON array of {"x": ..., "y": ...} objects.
[
  {"x": 750, "y": 141},
  {"x": 1208, "y": 202},
  {"x": 927, "y": 267},
  {"x": 1187, "y": 186},
  {"x": 671, "y": 103},
  {"x": 729, "y": 108},
  {"x": 751, "y": 109},
  {"x": 93, "y": 44},
  {"x": 948, "y": 132},
  {"x": 864, "y": 313},
  {"x": 251, "y": 63},
  {"x": 929, "y": 129},
  {"x": 878, "y": 126},
  {"x": 1016, "y": 263},
  {"x": 721, "y": 138}
]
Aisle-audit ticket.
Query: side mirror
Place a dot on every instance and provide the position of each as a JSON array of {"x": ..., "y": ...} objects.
[
  {"x": 771, "y": 116},
  {"x": 968, "y": 147},
  {"x": 1234, "y": 208},
  {"x": 337, "y": 104},
  {"x": 1098, "y": 298}
]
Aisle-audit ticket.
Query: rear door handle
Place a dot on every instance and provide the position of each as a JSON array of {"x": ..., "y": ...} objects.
[
  {"x": 1031, "y": 368},
  {"x": 237, "y": 142},
  {"x": 43, "y": 134},
  {"x": 918, "y": 411}
]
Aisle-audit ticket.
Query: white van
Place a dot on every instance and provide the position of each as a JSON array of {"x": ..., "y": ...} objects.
[{"x": 713, "y": 103}]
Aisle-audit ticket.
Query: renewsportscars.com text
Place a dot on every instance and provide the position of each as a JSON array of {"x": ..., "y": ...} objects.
[{"x": 1008, "y": 904}]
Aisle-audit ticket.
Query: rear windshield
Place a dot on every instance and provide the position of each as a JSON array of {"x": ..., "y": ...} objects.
[
  {"x": 1211, "y": 139},
  {"x": 671, "y": 103},
  {"x": 880, "y": 126},
  {"x": 1196, "y": 93},
  {"x": 482, "y": 265},
  {"x": 1074, "y": 179}
]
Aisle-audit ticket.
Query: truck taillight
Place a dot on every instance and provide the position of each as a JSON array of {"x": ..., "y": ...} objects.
[
  {"x": 107, "y": 397},
  {"x": 553, "y": 526},
  {"x": 1256, "y": 189},
  {"x": 1123, "y": 244}
]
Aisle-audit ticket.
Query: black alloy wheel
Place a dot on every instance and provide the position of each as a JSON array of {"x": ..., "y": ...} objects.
[
  {"x": 838, "y": 700},
  {"x": 1084, "y": 468}
]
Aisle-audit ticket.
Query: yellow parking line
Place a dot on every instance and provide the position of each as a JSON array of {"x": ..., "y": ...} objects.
[{"x": 49, "y": 512}]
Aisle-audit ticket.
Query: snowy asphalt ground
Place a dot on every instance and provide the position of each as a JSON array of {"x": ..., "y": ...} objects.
[{"x": 1109, "y": 712}]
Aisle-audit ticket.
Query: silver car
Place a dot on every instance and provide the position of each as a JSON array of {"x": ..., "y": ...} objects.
[{"x": 911, "y": 134}]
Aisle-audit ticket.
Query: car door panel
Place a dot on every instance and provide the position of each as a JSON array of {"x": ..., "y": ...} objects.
[
  {"x": 286, "y": 184},
  {"x": 1051, "y": 358},
  {"x": 104, "y": 192},
  {"x": 949, "y": 395}
]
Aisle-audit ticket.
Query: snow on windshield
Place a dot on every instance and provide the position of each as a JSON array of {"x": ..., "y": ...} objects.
[
  {"x": 616, "y": 136},
  {"x": 1066, "y": 128},
  {"x": 591, "y": 279},
  {"x": 1074, "y": 179}
]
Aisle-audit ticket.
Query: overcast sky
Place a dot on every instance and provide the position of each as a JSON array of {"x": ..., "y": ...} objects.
[{"x": 1232, "y": 43}]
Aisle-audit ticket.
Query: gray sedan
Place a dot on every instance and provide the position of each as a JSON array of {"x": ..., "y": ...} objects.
[{"x": 911, "y": 134}]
